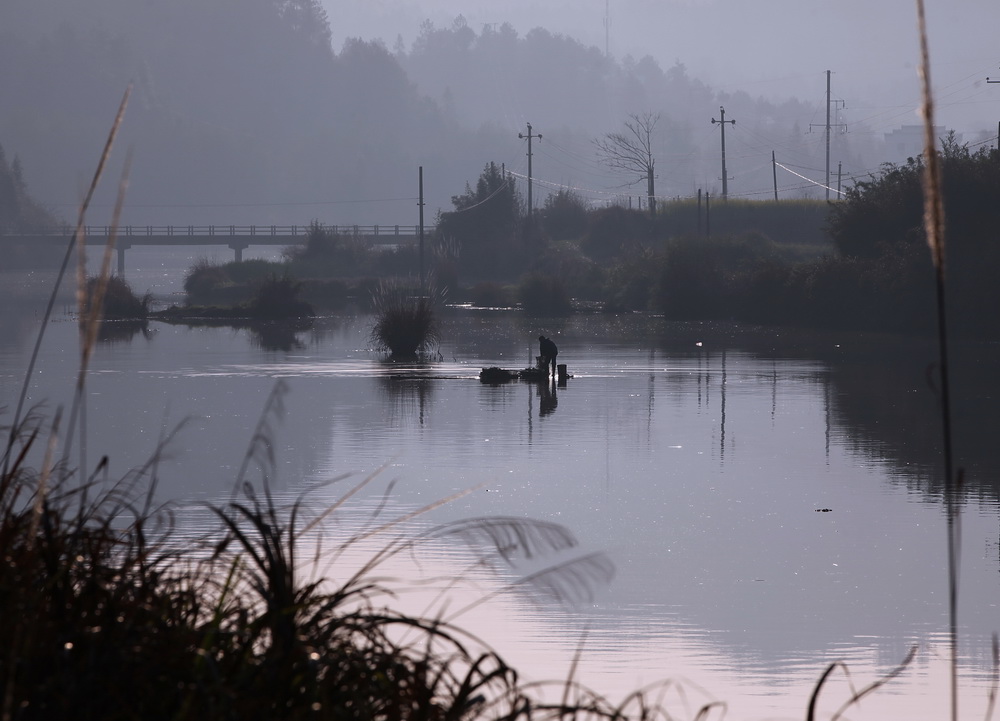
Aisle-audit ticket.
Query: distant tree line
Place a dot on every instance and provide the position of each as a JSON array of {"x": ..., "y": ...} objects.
[
  {"x": 860, "y": 263},
  {"x": 19, "y": 212}
]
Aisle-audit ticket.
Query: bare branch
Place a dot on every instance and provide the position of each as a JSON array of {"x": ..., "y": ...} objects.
[{"x": 631, "y": 150}]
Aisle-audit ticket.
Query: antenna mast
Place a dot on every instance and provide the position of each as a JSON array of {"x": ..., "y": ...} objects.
[{"x": 607, "y": 28}]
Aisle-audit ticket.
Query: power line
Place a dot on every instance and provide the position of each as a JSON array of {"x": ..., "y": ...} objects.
[{"x": 809, "y": 180}]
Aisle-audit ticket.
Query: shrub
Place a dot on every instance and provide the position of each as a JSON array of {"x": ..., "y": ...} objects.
[
  {"x": 279, "y": 298},
  {"x": 616, "y": 230},
  {"x": 489, "y": 294},
  {"x": 582, "y": 277},
  {"x": 630, "y": 283},
  {"x": 331, "y": 293},
  {"x": 564, "y": 215},
  {"x": 254, "y": 269},
  {"x": 120, "y": 302},
  {"x": 701, "y": 278},
  {"x": 544, "y": 295},
  {"x": 204, "y": 279},
  {"x": 330, "y": 254}
]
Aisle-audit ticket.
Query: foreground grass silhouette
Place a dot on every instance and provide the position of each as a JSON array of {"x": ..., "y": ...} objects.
[{"x": 108, "y": 616}]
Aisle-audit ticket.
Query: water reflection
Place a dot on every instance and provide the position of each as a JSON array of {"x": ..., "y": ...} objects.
[
  {"x": 279, "y": 335},
  {"x": 406, "y": 395},
  {"x": 122, "y": 331},
  {"x": 548, "y": 399},
  {"x": 282, "y": 335}
]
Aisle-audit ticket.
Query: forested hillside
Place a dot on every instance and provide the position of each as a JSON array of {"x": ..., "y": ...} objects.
[
  {"x": 243, "y": 113},
  {"x": 19, "y": 212}
]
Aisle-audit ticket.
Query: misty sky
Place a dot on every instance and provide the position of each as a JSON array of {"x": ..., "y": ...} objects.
[{"x": 771, "y": 48}]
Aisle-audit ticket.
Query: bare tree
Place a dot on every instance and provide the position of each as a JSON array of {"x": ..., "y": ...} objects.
[{"x": 632, "y": 150}]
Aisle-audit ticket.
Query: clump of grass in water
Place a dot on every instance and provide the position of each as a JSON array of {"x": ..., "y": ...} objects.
[
  {"x": 405, "y": 325},
  {"x": 119, "y": 300}
]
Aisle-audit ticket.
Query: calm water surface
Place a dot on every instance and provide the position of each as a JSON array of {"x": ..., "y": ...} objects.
[{"x": 770, "y": 501}]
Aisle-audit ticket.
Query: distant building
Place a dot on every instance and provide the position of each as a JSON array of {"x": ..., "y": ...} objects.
[{"x": 908, "y": 142}]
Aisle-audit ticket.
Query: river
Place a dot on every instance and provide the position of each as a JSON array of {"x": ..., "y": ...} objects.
[{"x": 770, "y": 499}]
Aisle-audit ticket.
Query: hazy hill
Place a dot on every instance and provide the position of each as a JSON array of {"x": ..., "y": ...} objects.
[{"x": 243, "y": 113}]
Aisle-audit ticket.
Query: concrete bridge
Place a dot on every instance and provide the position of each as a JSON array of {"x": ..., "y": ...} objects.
[{"x": 236, "y": 237}]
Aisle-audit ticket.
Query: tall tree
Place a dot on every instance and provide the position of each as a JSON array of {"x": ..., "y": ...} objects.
[
  {"x": 484, "y": 224},
  {"x": 632, "y": 151}
]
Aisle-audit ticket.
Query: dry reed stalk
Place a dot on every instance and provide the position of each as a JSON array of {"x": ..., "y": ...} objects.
[
  {"x": 91, "y": 313},
  {"x": 91, "y": 320},
  {"x": 76, "y": 241},
  {"x": 935, "y": 229}
]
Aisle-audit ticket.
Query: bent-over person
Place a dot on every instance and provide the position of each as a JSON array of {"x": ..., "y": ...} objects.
[{"x": 548, "y": 352}]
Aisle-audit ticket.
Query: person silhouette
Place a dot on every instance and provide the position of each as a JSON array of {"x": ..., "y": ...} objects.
[{"x": 548, "y": 351}]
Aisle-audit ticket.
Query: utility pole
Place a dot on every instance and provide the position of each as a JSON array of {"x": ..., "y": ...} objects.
[
  {"x": 774, "y": 174},
  {"x": 529, "y": 136},
  {"x": 722, "y": 121},
  {"x": 420, "y": 203},
  {"x": 827, "y": 134},
  {"x": 708, "y": 216},
  {"x": 828, "y": 127},
  {"x": 998, "y": 124},
  {"x": 699, "y": 212}
]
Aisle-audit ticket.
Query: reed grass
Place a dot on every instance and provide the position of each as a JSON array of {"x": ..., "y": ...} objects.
[
  {"x": 405, "y": 323},
  {"x": 935, "y": 232},
  {"x": 117, "y": 300}
]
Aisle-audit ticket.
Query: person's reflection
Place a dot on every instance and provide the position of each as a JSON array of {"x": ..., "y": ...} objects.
[{"x": 547, "y": 395}]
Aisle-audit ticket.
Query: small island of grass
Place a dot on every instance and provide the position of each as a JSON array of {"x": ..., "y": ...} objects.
[{"x": 275, "y": 299}]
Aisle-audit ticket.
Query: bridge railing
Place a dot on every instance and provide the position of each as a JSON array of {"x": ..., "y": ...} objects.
[
  {"x": 262, "y": 231},
  {"x": 257, "y": 230}
]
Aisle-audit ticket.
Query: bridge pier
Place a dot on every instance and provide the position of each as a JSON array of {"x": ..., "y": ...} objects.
[
  {"x": 122, "y": 247},
  {"x": 238, "y": 249}
]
